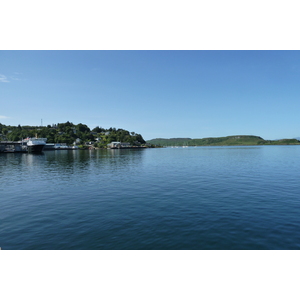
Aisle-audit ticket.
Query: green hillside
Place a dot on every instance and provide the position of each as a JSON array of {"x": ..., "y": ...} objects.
[
  {"x": 234, "y": 140},
  {"x": 70, "y": 133},
  {"x": 170, "y": 142}
]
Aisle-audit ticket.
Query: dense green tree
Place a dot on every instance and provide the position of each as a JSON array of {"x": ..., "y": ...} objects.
[
  {"x": 98, "y": 129},
  {"x": 69, "y": 132}
]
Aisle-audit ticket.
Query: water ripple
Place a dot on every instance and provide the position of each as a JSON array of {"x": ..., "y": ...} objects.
[{"x": 170, "y": 198}]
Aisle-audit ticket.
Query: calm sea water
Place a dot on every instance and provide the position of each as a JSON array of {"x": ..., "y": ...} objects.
[{"x": 170, "y": 198}]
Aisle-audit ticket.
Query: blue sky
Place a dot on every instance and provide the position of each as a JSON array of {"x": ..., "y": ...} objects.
[{"x": 166, "y": 94}]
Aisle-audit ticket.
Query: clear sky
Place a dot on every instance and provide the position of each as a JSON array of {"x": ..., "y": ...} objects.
[{"x": 163, "y": 94}]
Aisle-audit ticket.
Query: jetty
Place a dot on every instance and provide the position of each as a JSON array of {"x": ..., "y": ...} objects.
[
  {"x": 14, "y": 147},
  {"x": 23, "y": 147}
]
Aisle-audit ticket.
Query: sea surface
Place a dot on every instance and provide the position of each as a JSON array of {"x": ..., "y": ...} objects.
[{"x": 169, "y": 198}]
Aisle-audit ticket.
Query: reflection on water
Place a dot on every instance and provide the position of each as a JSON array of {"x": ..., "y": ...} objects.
[{"x": 170, "y": 198}]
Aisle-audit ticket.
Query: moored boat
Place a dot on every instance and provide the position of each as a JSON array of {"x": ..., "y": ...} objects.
[{"x": 35, "y": 144}]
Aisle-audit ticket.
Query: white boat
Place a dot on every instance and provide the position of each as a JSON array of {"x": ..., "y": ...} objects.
[{"x": 35, "y": 144}]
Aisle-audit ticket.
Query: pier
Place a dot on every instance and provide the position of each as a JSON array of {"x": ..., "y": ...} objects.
[{"x": 14, "y": 147}]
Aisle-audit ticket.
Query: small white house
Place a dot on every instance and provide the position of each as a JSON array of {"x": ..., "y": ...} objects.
[
  {"x": 118, "y": 145},
  {"x": 77, "y": 141},
  {"x": 114, "y": 145},
  {"x": 125, "y": 145}
]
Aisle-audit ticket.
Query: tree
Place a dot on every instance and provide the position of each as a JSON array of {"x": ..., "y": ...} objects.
[
  {"x": 82, "y": 128},
  {"x": 69, "y": 132},
  {"x": 98, "y": 129}
]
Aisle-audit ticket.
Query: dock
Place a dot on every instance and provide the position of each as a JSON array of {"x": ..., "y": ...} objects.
[
  {"x": 13, "y": 147},
  {"x": 21, "y": 147}
]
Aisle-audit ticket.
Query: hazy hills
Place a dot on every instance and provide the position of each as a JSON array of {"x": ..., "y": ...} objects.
[{"x": 234, "y": 140}]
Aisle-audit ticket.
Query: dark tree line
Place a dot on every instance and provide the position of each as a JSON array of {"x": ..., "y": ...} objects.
[{"x": 70, "y": 133}]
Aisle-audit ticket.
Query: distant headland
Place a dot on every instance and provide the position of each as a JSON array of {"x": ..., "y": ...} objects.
[
  {"x": 234, "y": 140},
  {"x": 72, "y": 134}
]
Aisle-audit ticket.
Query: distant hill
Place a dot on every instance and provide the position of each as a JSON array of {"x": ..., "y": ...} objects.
[
  {"x": 170, "y": 142},
  {"x": 233, "y": 140}
]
